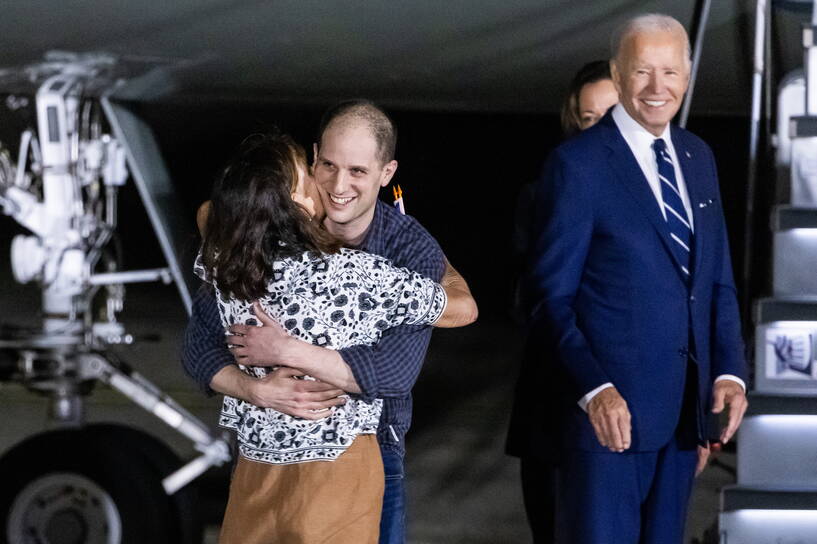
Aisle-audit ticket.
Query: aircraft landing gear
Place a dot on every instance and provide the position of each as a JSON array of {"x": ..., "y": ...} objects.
[{"x": 96, "y": 485}]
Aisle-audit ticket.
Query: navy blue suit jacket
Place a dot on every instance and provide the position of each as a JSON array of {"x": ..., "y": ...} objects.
[{"x": 608, "y": 293}]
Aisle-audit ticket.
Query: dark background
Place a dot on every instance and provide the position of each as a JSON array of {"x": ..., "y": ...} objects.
[{"x": 460, "y": 174}]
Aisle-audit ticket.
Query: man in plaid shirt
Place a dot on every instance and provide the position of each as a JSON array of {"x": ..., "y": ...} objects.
[{"x": 354, "y": 159}]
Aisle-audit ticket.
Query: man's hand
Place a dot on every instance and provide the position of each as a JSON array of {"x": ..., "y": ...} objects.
[
  {"x": 261, "y": 346},
  {"x": 610, "y": 418},
  {"x": 731, "y": 393},
  {"x": 282, "y": 391},
  {"x": 270, "y": 345},
  {"x": 703, "y": 459}
]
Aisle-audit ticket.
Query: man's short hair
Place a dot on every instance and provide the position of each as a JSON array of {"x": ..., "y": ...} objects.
[
  {"x": 366, "y": 111},
  {"x": 650, "y": 22}
]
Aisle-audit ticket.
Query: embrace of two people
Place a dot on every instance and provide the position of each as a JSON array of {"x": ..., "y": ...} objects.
[{"x": 315, "y": 464}]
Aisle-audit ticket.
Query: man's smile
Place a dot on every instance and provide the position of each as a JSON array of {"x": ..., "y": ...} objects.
[
  {"x": 339, "y": 200},
  {"x": 655, "y": 103}
]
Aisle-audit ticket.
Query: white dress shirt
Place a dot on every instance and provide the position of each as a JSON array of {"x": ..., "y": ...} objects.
[{"x": 640, "y": 142}]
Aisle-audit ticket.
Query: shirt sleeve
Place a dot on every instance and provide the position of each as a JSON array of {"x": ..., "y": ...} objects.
[
  {"x": 585, "y": 400},
  {"x": 727, "y": 340},
  {"x": 405, "y": 297},
  {"x": 390, "y": 367},
  {"x": 204, "y": 351},
  {"x": 562, "y": 237},
  {"x": 730, "y": 377}
]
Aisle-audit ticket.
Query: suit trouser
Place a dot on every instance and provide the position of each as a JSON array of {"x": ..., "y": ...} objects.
[
  {"x": 539, "y": 495},
  {"x": 625, "y": 498}
]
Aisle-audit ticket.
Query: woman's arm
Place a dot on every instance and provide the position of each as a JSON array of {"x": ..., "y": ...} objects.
[{"x": 461, "y": 309}]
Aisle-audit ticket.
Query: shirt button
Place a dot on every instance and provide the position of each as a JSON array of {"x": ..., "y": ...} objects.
[{"x": 692, "y": 298}]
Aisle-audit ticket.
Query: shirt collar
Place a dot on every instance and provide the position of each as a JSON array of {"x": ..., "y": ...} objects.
[{"x": 638, "y": 137}]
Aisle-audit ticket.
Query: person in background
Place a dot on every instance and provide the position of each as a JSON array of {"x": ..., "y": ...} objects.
[{"x": 590, "y": 95}]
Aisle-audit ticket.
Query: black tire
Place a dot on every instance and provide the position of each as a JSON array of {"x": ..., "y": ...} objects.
[
  {"x": 187, "y": 525},
  {"x": 84, "y": 487}
]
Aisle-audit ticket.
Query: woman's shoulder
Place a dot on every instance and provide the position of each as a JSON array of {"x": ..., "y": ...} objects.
[
  {"x": 361, "y": 263},
  {"x": 347, "y": 255},
  {"x": 347, "y": 267},
  {"x": 313, "y": 264}
]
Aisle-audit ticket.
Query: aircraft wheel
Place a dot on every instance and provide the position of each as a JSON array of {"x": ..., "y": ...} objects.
[
  {"x": 83, "y": 487},
  {"x": 187, "y": 525}
]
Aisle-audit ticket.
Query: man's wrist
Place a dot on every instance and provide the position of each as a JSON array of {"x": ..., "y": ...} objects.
[
  {"x": 247, "y": 384},
  {"x": 584, "y": 402},
  {"x": 326, "y": 365},
  {"x": 234, "y": 382},
  {"x": 294, "y": 353},
  {"x": 731, "y": 378}
]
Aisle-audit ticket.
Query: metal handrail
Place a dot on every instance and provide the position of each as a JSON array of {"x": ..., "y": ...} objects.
[{"x": 698, "y": 44}]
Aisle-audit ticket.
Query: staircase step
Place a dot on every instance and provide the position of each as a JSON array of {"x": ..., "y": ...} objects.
[{"x": 790, "y": 308}]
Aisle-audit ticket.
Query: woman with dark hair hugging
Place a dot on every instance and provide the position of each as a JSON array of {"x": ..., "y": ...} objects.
[{"x": 301, "y": 480}]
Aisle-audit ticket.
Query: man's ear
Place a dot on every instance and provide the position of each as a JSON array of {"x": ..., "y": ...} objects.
[
  {"x": 615, "y": 75},
  {"x": 388, "y": 172},
  {"x": 201, "y": 217},
  {"x": 314, "y": 154}
]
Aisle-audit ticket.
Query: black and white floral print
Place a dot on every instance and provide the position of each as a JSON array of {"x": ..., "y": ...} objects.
[{"x": 334, "y": 301}]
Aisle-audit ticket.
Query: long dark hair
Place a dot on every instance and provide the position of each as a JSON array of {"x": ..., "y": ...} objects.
[
  {"x": 253, "y": 220},
  {"x": 591, "y": 72}
]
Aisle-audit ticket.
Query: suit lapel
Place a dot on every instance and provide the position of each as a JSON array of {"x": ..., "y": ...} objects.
[
  {"x": 693, "y": 176},
  {"x": 628, "y": 173}
]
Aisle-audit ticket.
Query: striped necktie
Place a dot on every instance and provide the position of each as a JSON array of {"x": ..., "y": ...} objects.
[{"x": 677, "y": 219}]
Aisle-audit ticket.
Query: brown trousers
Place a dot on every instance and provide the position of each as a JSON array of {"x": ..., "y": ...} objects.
[{"x": 337, "y": 502}]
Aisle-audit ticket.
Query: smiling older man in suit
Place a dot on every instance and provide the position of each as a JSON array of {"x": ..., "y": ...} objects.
[{"x": 632, "y": 282}]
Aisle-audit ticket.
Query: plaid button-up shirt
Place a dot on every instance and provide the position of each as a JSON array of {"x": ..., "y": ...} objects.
[{"x": 386, "y": 370}]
